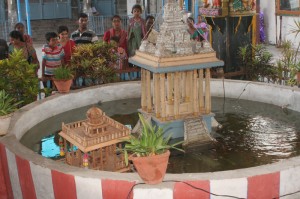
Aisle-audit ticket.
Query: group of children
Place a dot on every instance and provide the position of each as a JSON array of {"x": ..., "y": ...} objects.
[
  {"x": 130, "y": 40},
  {"x": 59, "y": 48}
]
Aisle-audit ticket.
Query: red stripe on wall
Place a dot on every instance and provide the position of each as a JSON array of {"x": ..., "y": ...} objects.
[
  {"x": 182, "y": 190},
  {"x": 25, "y": 178},
  {"x": 63, "y": 185},
  {"x": 5, "y": 184},
  {"x": 264, "y": 186},
  {"x": 116, "y": 189}
]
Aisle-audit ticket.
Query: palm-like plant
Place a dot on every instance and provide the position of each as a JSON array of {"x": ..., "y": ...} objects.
[
  {"x": 151, "y": 141},
  {"x": 7, "y": 103},
  {"x": 63, "y": 73},
  {"x": 296, "y": 30}
]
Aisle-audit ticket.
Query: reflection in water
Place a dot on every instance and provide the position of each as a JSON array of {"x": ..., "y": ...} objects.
[{"x": 253, "y": 134}]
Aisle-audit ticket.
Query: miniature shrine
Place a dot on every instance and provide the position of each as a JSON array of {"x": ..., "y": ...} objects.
[
  {"x": 92, "y": 143},
  {"x": 233, "y": 25},
  {"x": 180, "y": 67}
]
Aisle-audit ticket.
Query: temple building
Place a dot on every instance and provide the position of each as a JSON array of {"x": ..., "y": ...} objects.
[
  {"x": 180, "y": 68},
  {"x": 92, "y": 143}
]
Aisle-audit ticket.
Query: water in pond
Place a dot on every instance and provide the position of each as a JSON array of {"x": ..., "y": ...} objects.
[{"x": 253, "y": 134}]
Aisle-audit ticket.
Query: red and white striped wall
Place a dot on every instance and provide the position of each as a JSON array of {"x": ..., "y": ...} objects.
[{"x": 20, "y": 178}]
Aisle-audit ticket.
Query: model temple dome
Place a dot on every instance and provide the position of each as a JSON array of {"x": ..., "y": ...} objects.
[{"x": 94, "y": 116}]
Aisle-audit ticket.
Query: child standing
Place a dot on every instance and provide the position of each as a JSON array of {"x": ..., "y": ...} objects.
[
  {"x": 136, "y": 30},
  {"x": 116, "y": 31},
  {"x": 119, "y": 52},
  {"x": 67, "y": 44},
  {"x": 53, "y": 56}
]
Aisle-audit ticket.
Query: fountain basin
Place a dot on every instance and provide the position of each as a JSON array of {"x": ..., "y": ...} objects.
[{"x": 27, "y": 174}]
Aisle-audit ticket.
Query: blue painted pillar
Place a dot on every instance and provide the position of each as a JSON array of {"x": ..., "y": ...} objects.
[
  {"x": 196, "y": 11},
  {"x": 186, "y": 2},
  {"x": 28, "y": 17},
  {"x": 19, "y": 11}
]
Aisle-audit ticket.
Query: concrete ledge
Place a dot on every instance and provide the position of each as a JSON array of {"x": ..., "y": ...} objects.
[{"x": 24, "y": 174}]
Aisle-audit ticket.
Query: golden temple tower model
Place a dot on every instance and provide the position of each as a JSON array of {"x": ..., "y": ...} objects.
[
  {"x": 92, "y": 143},
  {"x": 179, "y": 92}
]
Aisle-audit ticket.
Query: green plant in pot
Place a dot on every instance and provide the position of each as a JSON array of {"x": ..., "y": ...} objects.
[
  {"x": 63, "y": 79},
  {"x": 8, "y": 105},
  {"x": 149, "y": 152}
]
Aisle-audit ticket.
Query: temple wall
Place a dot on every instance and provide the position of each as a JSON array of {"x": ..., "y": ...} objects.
[
  {"x": 24, "y": 174},
  {"x": 268, "y": 8}
]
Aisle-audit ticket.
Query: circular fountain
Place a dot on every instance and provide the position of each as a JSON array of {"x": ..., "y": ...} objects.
[
  {"x": 48, "y": 178},
  {"x": 25, "y": 174}
]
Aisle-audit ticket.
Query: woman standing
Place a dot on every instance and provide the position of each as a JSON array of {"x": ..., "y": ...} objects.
[
  {"x": 21, "y": 28},
  {"x": 67, "y": 44},
  {"x": 17, "y": 42},
  {"x": 195, "y": 34}
]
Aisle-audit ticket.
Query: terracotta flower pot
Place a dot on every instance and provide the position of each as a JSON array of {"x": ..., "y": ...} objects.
[
  {"x": 63, "y": 86},
  {"x": 4, "y": 123},
  {"x": 151, "y": 169}
]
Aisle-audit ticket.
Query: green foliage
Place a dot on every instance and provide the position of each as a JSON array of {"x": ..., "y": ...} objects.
[
  {"x": 94, "y": 61},
  {"x": 18, "y": 78},
  {"x": 256, "y": 61},
  {"x": 63, "y": 73},
  {"x": 7, "y": 103},
  {"x": 150, "y": 142},
  {"x": 289, "y": 63},
  {"x": 296, "y": 29}
]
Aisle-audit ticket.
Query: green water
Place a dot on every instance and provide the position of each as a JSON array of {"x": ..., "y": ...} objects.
[{"x": 253, "y": 134}]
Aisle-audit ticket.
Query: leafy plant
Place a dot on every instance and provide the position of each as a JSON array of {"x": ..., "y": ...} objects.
[
  {"x": 296, "y": 30},
  {"x": 18, "y": 78},
  {"x": 63, "y": 73},
  {"x": 151, "y": 141},
  {"x": 256, "y": 61},
  {"x": 7, "y": 103},
  {"x": 289, "y": 63},
  {"x": 94, "y": 61}
]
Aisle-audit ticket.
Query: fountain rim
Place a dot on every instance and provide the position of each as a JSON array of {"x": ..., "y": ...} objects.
[{"x": 272, "y": 94}]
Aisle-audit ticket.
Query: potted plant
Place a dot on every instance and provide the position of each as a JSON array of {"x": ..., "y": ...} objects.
[
  {"x": 7, "y": 106},
  {"x": 63, "y": 79},
  {"x": 149, "y": 152}
]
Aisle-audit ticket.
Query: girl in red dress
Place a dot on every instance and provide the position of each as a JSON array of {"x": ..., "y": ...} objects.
[{"x": 67, "y": 44}]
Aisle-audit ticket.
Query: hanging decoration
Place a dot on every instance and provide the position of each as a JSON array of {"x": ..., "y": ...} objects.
[
  {"x": 262, "y": 35},
  {"x": 61, "y": 146},
  {"x": 85, "y": 160},
  {"x": 237, "y": 26}
]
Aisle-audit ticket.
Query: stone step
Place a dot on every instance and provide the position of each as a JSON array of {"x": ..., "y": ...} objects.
[
  {"x": 40, "y": 27},
  {"x": 196, "y": 132}
]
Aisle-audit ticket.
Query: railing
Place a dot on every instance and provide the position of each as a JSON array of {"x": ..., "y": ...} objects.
[
  {"x": 4, "y": 30},
  {"x": 100, "y": 24}
]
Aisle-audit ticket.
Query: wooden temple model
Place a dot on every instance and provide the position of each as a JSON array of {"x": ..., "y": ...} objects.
[
  {"x": 92, "y": 143},
  {"x": 180, "y": 68}
]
